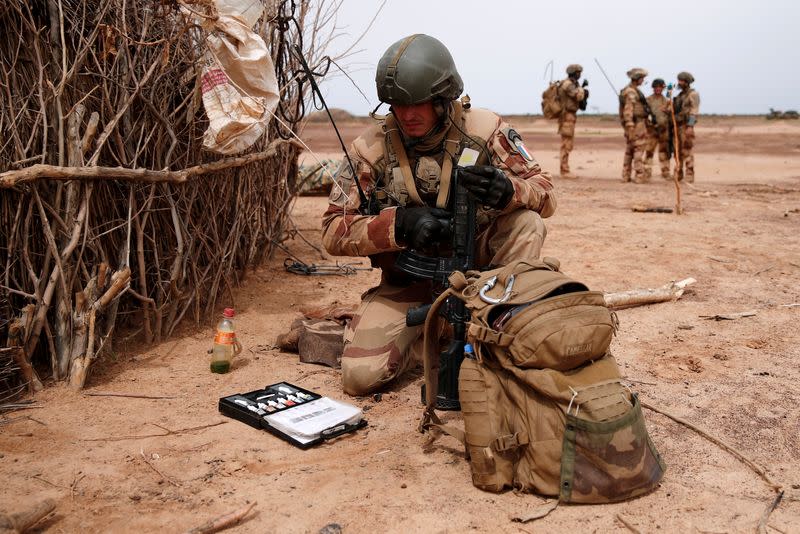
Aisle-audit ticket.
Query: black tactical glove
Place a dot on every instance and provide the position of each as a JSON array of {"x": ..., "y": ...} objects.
[
  {"x": 585, "y": 82},
  {"x": 489, "y": 184},
  {"x": 421, "y": 226}
]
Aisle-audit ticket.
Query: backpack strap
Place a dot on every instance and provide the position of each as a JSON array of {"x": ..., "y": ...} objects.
[
  {"x": 393, "y": 132},
  {"x": 453, "y": 138}
]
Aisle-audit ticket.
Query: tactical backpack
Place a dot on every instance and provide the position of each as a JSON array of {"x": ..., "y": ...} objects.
[
  {"x": 551, "y": 101},
  {"x": 543, "y": 402}
]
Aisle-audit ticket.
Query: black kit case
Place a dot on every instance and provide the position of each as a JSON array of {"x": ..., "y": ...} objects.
[{"x": 276, "y": 393}]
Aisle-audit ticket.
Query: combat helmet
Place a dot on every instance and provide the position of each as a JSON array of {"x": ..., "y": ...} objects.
[
  {"x": 658, "y": 82},
  {"x": 636, "y": 74},
  {"x": 572, "y": 69},
  {"x": 416, "y": 69},
  {"x": 686, "y": 77}
]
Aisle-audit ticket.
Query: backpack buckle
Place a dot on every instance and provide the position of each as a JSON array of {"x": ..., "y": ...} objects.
[{"x": 510, "y": 441}]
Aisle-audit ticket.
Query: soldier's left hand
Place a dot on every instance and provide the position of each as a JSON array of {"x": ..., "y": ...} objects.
[
  {"x": 489, "y": 184},
  {"x": 690, "y": 132}
]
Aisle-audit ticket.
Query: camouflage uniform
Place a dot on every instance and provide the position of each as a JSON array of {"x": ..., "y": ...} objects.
[
  {"x": 378, "y": 344},
  {"x": 658, "y": 136},
  {"x": 687, "y": 107},
  {"x": 571, "y": 95},
  {"x": 634, "y": 119}
]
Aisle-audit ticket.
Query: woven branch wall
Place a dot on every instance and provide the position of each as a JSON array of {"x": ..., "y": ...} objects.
[{"x": 98, "y": 84}]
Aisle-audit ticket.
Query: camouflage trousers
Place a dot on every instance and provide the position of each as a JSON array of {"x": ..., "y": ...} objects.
[
  {"x": 657, "y": 140},
  {"x": 634, "y": 154},
  {"x": 566, "y": 128},
  {"x": 379, "y": 346},
  {"x": 686, "y": 156}
]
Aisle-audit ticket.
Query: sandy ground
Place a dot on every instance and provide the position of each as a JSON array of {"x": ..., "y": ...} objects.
[{"x": 738, "y": 379}]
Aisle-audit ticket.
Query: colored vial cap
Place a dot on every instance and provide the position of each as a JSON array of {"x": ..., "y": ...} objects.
[
  {"x": 468, "y": 349},
  {"x": 228, "y": 312}
]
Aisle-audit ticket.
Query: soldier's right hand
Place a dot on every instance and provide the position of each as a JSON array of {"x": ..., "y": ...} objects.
[{"x": 421, "y": 226}]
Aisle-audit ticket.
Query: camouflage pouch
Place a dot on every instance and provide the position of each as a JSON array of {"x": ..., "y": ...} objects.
[{"x": 606, "y": 461}]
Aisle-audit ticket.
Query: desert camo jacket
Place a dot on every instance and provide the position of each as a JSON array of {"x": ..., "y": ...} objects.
[
  {"x": 688, "y": 101},
  {"x": 571, "y": 95},
  {"x": 348, "y": 233},
  {"x": 631, "y": 107},
  {"x": 660, "y": 108}
]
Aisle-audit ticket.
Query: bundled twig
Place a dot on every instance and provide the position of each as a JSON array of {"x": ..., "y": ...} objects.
[{"x": 101, "y": 109}]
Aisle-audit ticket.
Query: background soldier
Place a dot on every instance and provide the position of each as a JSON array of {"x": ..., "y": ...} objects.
[
  {"x": 687, "y": 107},
  {"x": 404, "y": 162},
  {"x": 573, "y": 97},
  {"x": 658, "y": 133},
  {"x": 633, "y": 115}
]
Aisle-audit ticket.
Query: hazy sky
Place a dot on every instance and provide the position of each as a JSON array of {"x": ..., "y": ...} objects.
[{"x": 745, "y": 56}]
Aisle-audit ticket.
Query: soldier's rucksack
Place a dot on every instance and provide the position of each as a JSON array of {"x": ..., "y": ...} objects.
[
  {"x": 551, "y": 101},
  {"x": 543, "y": 402}
]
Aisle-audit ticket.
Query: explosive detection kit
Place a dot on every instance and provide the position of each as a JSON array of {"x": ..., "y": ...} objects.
[{"x": 297, "y": 415}]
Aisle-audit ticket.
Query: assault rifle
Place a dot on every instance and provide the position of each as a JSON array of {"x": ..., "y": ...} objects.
[
  {"x": 463, "y": 231},
  {"x": 582, "y": 103}
]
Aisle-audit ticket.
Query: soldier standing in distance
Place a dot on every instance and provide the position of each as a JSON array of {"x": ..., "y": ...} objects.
[
  {"x": 405, "y": 161},
  {"x": 658, "y": 133},
  {"x": 687, "y": 107},
  {"x": 633, "y": 115},
  {"x": 573, "y": 97}
]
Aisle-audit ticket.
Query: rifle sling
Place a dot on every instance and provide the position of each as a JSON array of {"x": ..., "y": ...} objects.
[
  {"x": 646, "y": 105},
  {"x": 431, "y": 358}
]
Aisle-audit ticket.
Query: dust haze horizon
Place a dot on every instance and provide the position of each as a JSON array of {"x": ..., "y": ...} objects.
[{"x": 742, "y": 55}]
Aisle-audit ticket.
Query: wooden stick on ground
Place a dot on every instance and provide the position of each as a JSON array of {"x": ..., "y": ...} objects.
[
  {"x": 126, "y": 395},
  {"x": 22, "y": 521},
  {"x": 154, "y": 468},
  {"x": 222, "y": 522},
  {"x": 762, "y": 524},
  {"x": 744, "y": 459},
  {"x": 777, "y": 488},
  {"x": 627, "y": 524},
  {"x": 167, "y": 433},
  {"x": 639, "y": 297}
]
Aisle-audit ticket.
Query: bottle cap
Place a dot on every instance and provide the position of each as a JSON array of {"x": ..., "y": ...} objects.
[{"x": 228, "y": 312}]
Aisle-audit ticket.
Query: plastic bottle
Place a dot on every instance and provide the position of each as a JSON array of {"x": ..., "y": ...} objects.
[{"x": 225, "y": 344}]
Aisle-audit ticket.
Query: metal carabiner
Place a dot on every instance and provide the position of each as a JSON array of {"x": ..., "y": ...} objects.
[{"x": 490, "y": 284}]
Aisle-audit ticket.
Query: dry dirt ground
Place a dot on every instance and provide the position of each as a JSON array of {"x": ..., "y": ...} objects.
[{"x": 738, "y": 378}]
